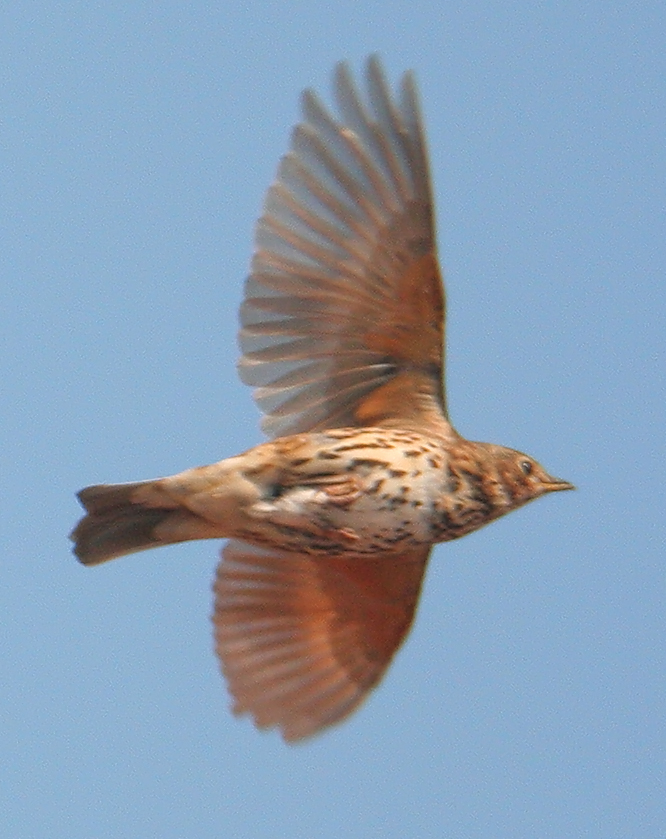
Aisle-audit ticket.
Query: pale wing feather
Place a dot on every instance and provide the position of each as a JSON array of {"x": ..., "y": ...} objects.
[
  {"x": 343, "y": 313},
  {"x": 303, "y": 640}
]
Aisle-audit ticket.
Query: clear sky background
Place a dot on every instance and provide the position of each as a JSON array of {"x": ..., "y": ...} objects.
[{"x": 136, "y": 143}]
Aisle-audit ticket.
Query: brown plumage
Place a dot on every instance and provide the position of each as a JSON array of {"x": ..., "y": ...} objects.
[{"x": 332, "y": 521}]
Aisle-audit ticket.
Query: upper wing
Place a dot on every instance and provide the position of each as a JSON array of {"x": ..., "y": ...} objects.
[
  {"x": 303, "y": 640},
  {"x": 344, "y": 310}
]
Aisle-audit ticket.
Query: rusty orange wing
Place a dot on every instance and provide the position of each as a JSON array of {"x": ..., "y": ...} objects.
[
  {"x": 303, "y": 640},
  {"x": 342, "y": 322}
]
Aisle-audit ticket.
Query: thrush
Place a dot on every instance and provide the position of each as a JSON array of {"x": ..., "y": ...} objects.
[{"x": 331, "y": 522}]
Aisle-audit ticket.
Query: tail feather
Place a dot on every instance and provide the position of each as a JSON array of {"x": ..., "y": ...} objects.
[
  {"x": 114, "y": 524},
  {"x": 125, "y": 518}
]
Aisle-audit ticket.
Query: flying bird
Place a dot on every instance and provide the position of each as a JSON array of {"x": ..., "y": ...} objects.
[{"x": 331, "y": 521}]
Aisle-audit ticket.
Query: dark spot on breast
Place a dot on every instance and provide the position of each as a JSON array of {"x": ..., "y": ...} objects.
[
  {"x": 257, "y": 471},
  {"x": 315, "y": 477},
  {"x": 400, "y": 536},
  {"x": 364, "y": 445},
  {"x": 404, "y": 437},
  {"x": 365, "y": 461},
  {"x": 393, "y": 501},
  {"x": 299, "y": 461},
  {"x": 327, "y": 456},
  {"x": 397, "y": 473}
]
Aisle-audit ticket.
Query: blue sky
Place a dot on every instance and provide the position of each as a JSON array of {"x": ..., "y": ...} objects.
[{"x": 137, "y": 140}]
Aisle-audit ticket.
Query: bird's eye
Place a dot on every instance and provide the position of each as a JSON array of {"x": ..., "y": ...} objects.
[{"x": 526, "y": 467}]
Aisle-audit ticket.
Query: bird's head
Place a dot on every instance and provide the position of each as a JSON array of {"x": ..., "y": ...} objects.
[{"x": 521, "y": 477}]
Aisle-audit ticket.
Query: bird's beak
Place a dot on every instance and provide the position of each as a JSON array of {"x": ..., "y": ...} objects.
[{"x": 555, "y": 485}]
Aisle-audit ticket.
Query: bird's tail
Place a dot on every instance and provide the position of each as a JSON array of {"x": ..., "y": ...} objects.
[{"x": 125, "y": 518}]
